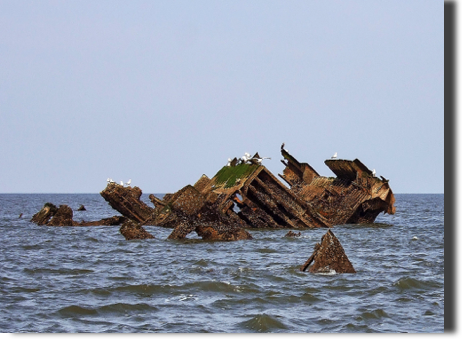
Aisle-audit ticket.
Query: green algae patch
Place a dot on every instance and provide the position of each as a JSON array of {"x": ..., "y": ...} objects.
[{"x": 229, "y": 175}]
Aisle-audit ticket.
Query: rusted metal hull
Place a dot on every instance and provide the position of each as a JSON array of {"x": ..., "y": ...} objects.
[
  {"x": 260, "y": 200},
  {"x": 126, "y": 200},
  {"x": 246, "y": 194},
  {"x": 353, "y": 196},
  {"x": 252, "y": 194}
]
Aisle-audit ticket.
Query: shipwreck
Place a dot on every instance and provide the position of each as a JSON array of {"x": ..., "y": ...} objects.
[
  {"x": 244, "y": 194},
  {"x": 354, "y": 196}
]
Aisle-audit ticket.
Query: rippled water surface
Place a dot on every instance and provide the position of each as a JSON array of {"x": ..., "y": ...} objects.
[{"x": 90, "y": 279}]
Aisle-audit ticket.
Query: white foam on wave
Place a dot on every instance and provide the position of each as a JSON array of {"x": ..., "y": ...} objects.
[{"x": 330, "y": 272}]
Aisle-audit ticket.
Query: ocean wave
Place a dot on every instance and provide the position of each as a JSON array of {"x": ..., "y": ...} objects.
[
  {"x": 408, "y": 283},
  {"x": 263, "y": 323}
]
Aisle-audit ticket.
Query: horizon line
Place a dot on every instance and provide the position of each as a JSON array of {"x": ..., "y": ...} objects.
[{"x": 170, "y": 193}]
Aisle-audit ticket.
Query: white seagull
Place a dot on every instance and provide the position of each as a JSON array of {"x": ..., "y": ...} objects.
[
  {"x": 373, "y": 172},
  {"x": 129, "y": 182},
  {"x": 121, "y": 182},
  {"x": 229, "y": 160},
  {"x": 334, "y": 156},
  {"x": 259, "y": 159},
  {"x": 245, "y": 158}
]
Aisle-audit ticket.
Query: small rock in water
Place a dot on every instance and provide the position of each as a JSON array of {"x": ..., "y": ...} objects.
[
  {"x": 81, "y": 208},
  {"x": 415, "y": 238}
]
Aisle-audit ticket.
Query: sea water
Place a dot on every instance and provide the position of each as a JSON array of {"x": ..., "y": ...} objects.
[{"x": 90, "y": 279}]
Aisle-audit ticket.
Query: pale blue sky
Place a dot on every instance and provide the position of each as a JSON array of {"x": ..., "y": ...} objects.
[{"x": 164, "y": 91}]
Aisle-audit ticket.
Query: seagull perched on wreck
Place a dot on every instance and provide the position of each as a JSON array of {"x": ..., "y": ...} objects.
[
  {"x": 129, "y": 182},
  {"x": 373, "y": 172},
  {"x": 334, "y": 156},
  {"x": 121, "y": 182},
  {"x": 229, "y": 160},
  {"x": 245, "y": 158},
  {"x": 258, "y": 159}
]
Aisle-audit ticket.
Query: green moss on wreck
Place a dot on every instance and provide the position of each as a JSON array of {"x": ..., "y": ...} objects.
[{"x": 230, "y": 174}]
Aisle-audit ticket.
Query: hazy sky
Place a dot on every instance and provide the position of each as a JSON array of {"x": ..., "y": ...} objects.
[{"x": 164, "y": 91}]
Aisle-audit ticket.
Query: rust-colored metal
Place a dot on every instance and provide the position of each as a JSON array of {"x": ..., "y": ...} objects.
[
  {"x": 126, "y": 200},
  {"x": 245, "y": 194},
  {"x": 254, "y": 195},
  {"x": 260, "y": 200},
  {"x": 50, "y": 215},
  {"x": 131, "y": 230},
  {"x": 355, "y": 195},
  {"x": 328, "y": 256}
]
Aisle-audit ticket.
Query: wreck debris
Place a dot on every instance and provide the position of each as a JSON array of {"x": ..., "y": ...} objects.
[
  {"x": 210, "y": 224},
  {"x": 188, "y": 210},
  {"x": 328, "y": 256},
  {"x": 43, "y": 216},
  {"x": 81, "y": 208},
  {"x": 354, "y": 196},
  {"x": 126, "y": 200},
  {"x": 62, "y": 217},
  {"x": 245, "y": 194},
  {"x": 156, "y": 201},
  {"x": 112, "y": 221},
  {"x": 292, "y": 234},
  {"x": 251, "y": 193},
  {"x": 186, "y": 201},
  {"x": 209, "y": 231},
  {"x": 203, "y": 182},
  {"x": 238, "y": 196},
  {"x": 132, "y": 230},
  {"x": 50, "y": 215}
]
